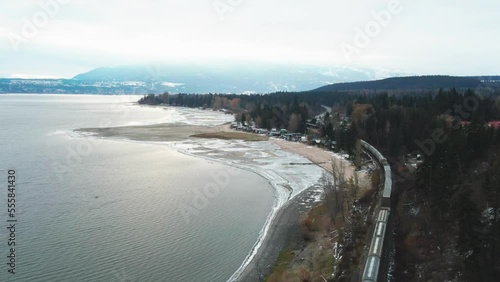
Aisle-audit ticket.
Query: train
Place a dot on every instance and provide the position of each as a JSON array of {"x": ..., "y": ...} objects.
[
  {"x": 373, "y": 261},
  {"x": 386, "y": 196}
]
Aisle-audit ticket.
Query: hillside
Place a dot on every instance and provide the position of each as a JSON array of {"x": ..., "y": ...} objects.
[{"x": 413, "y": 83}]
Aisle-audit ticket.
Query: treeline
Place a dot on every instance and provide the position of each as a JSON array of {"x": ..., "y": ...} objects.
[
  {"x": 278, "y": 110},
  {"x": 404, "y": 124},
  {"x": 152, "y": 99},
  {"x": 248, "y": 101},
  {"x": 406, "y": 83},
  {"x": 290, "y": 115},
  {"x": 398, "y": 124}
]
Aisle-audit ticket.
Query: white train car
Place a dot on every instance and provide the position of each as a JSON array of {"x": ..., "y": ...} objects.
[
  {"x": 386, "y": 197},
  {"x": 372, "y": 266}
]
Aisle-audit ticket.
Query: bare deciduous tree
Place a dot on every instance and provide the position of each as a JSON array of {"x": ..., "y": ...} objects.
[
  {"x": 335, "y": 188},
  {"x": 358, "y": 153}
]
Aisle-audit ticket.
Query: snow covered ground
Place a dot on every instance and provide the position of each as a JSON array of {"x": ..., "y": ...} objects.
[{"x": 288, "y": 173}]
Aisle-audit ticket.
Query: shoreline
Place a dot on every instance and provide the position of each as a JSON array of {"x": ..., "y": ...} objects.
[
  {"x": 284, "y": 230},
  {"x": 282, "y": 226}
]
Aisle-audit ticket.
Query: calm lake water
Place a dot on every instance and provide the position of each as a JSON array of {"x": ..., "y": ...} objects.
[{"x": 104, "y": 210}]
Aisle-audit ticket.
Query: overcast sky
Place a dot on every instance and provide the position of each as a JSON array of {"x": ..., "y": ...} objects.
[{"x": 457, "y": 37}]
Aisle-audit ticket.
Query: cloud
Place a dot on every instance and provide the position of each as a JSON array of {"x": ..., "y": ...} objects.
[{"x": 426, "y": 37}]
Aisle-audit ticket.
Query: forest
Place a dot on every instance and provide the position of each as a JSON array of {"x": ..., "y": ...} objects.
[{"x": 408, "y": 83}]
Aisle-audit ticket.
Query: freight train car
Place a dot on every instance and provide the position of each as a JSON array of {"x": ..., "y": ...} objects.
[{"x": 373, "y": 261}]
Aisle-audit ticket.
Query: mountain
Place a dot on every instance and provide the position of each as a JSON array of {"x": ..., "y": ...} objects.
[
  {"x": 228, "y": 78},
  {"x": 415, "y": 83},
  {"x": 193, "y": 78}
]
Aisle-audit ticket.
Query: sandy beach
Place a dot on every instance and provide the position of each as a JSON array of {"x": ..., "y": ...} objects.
[{"x": 324, "y": 159}]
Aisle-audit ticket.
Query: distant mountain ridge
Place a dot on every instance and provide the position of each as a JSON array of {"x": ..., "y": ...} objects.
[
  {"x": 415, "y": 83},
  {"x": 228, "y": 78},
  {"x": 236, "y": 79}
]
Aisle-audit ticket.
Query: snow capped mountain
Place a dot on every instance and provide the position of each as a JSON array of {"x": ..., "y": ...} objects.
[{"x": 193, "y": 78}]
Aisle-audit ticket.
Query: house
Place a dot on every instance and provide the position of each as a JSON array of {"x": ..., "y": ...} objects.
[
  {"x": 312, "y": 125},
  {"x": 494, "y": 124}
]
